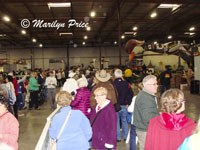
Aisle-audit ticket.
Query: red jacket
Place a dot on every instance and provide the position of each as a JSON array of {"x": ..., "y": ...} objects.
[
  {"x": 168, "y": 131},
  {"x": 15, "y": 85}
]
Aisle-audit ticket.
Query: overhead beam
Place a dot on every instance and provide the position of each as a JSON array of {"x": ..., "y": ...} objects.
[
  {"x": 124, "y": 18},
  {"x": 141, "y": 1}
]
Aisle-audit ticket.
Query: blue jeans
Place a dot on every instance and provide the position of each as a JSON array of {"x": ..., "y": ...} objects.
[
  {"x": 122, "y": 115},
  {"x": 133, "y": 138}
]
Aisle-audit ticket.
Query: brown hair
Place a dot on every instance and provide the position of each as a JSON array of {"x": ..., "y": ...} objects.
[
  {"x": 171, "y": 100},
  {"x": 63, "y": 98}
]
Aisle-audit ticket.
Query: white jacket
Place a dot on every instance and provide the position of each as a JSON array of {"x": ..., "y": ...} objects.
[{"x": 70, "y": 85}]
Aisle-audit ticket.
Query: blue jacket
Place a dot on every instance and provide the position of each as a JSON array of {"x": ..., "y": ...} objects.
[{"x": 77, "y": 132}]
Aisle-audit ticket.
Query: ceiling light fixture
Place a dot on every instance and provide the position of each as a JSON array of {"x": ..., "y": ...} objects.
[
  {"x": 173, "y": 6},
  {"x": 169, "y": 37},
  {"x": 83, "y": 43},
  {"x": 135, "y": 28},
  {"x": 34, "y": 40},
  {"x": 85, "y": 37},
  {"x": 59, "y": 4},
  {"x": 192, "y": 28},
  {"x": 2, "y": 35},
  {"x": 40, "y": 45},
  {"x": 190, "y": 33},
  {"x": 6, "y": 18},
  {"x": 65, "y": 33},
  {"x": 92, "y": 14},
  {"x": 122, "y": 36},
  {"x": 88, "y": 28},
  {"x": 153, "y": 15},
  {"x": 23, "y": 32},
  {"x": 115, "y": 42},
  {"x": 134, "y": 33}
]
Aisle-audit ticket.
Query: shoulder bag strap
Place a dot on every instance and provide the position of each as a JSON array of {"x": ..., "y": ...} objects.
[
  {"x": 63, "y": 125},
  {"x": 95, "y": 117}
]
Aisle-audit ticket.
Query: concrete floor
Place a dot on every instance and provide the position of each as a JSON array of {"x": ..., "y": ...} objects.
[{"x": 32, "y": 123}]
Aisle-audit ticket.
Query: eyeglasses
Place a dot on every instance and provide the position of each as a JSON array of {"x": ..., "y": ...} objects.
[
  {"x": 155, "y": 84},
  {"x": 99, "y": 95}
]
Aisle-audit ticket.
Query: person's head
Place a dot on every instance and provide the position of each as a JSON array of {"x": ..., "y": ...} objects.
[
  {"x": 100, "y": 95},
  {"x": 9, "y": 79},
  {"x": 51, "y": 74},
  {"x": 63, "y": 98},
  {"x": 150, "y": 83},
  {"x": 103, "y": 76},
  {"x": 33, "y": 74},
  {"x": 82, "y": 82},
  {"x": 4, "y": 99},
  {"x": 172, "y": 101},
  {"x": 118, "y": 73}
]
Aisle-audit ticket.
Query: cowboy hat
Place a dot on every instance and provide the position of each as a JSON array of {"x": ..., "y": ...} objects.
[{"x": 102, "y": 76}]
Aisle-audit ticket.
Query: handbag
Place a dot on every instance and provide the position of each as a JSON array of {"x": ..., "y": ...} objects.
[
  {"x": 117, "y": 107},
  {"x": 53, "y": 145}
]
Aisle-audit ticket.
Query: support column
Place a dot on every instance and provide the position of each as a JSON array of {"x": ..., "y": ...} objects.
[
  {"x": 100, "y": 57},
  {"x": 67, "y": 56},
  {"x": 119, "y": 33}
]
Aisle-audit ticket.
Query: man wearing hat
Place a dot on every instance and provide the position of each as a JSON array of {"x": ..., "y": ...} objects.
[{"x": 103, "y": 78}]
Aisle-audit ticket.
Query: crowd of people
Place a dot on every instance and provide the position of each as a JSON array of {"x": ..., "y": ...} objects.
[{"x": 95, "y": 106}]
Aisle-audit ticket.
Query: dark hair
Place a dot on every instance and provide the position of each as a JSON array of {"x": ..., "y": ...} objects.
[
  {"x": 4, "y": 97},
  {"x": 10, "y": 78},
  {"x": 171, "y": 100}
]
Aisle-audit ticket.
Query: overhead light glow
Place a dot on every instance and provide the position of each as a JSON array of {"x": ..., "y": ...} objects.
[
  {"x": 122, "y": 36},
  {"x": 88, "y": 28},
  {"x": 155, "y": 42},
  {"x": 153, "y": 15},
  {"x": 65, "y": 33},
  {"x": 190, "y": 33},
  {"x": 134, "y": 33},
  {"x": 172, "y": 6},
  {"x": 59, "y": 4},
  {"x": 2, "y": 35},
  {"x": 169, "y": 37},
  {"x": 192, "y": 28},
  {"x": 34, "y": 40},
  {"x": 115, "y": 42},
  {"x": 6, "y": 18},
  {"x": 135, "y": 28},
  {"x": 40, "y": 45},
  {"x": 85, "y": 37},
  {"x": 92, "y": 14},
  {"x": 83, "y": 43},
  {"x": 23, "y": 32}
]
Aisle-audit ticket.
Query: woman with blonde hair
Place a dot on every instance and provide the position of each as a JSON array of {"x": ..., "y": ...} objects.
[
  {"x": 77, "y": 131},
  {"x": 193, "y": 141},
  {"x": 168, "y": 131}
]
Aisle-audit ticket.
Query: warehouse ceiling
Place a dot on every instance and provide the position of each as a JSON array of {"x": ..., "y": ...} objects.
[{"x": 30, "y": 23}]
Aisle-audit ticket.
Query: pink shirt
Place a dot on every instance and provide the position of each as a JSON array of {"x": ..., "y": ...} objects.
[{"x": 9, "y": 128}]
